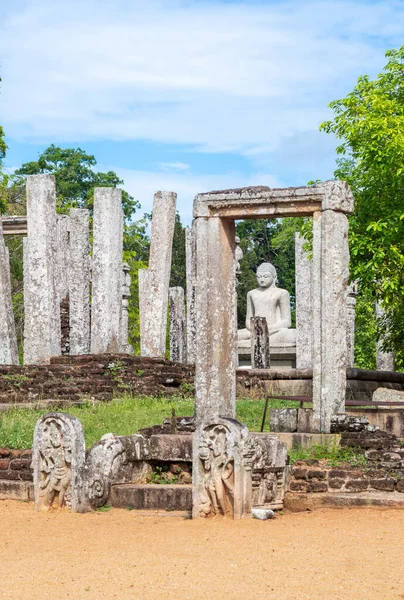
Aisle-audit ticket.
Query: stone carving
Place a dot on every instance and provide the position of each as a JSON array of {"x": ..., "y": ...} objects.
[
  {"x": 270, "y": 302},
  {"x": 58, "y": 461},
  {"x": 178, "y": 325},
  {"x": 222, "y": 470},
  {"x": 238, "y": 255},
  {"x": 268, "y": 470},
  {"x": 112, "y": 460},
  {"x": 352, "y": 292},
  {"x": 234, "y": 470}
]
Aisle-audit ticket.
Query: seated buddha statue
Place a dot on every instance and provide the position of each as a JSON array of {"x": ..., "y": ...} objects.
[{"x": 270, "y": 302}]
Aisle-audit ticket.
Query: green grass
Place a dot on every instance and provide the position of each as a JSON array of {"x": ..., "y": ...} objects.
[
  {"x": 332, "y": 453},
  {"x": 122, "y": 416}
]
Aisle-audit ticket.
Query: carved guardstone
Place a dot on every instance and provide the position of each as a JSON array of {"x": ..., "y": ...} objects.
[
  {"x": 221, "y": 469},
  {"x": 58, "y": 463}
]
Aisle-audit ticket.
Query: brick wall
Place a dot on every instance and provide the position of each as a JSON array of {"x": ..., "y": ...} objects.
[
  {"x": 384, "y": 469},
  {"x": 15, "y": 465}
]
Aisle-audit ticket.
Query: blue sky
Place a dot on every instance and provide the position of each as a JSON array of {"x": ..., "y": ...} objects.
[{"x": 187, "y": 95}]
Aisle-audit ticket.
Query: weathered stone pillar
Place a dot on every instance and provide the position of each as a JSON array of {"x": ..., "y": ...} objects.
[
  {"x": 8, "y": 338},
  {"x": 126, "y": 282},
  {"x": 41, "y": 298},
  {"x": 352, "y": 292},
  {"x": 330, "y": 278},
  {"x": 190, "y": 253},
  {"x": 260, "y": 340},
  {"x": 178, "y": 344},
  {"x": 79, "y": 281},
  {"x": 106, "y": 307},
  {"x": 215, "y": 382},
  {"x": 62, "y": 278},
  {"x": 384, "y": 360},
  {"x": 153, "y": 287},
  {"x": 304, "y": 305}
]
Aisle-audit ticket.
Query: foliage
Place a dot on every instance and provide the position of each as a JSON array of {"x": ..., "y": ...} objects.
[
  {"x": 76, "y": 178},
  {"x": 332, "y": 453},
  {"x": 178, "y": 266},
  {"x": 369, "y": 122}
]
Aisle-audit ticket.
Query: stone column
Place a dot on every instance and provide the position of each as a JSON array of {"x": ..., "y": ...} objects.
[
  {"x": 106, "y": 307},
  {"x": 190, "y": 252},
  {"x": 215, "y": 368},
  {"x": 304, "y": 305},
  {"x": 178, "y": 344},
  {"x": 153, "y": 288},
  {"x": 8, "y": 338},
  {"x": 41, "y": 298},
  {"x": 62, "y": 278},
  {"x": 79, "y": 281},
  {"x": 384, "y": 360},
  {"x": 260, "y": 340},
  {"x": 126, "y": 281},
  {"x": 330, "y": 278},
  {"x": 352, "y": 292}
]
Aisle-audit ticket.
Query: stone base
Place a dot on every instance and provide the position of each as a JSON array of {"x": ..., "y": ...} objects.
[
  {"x": 297, "y": 502},
  {"x": 280, "y": 357},
  {"x": 151, "y": 497},
  {"x": 16, "y": 490}
]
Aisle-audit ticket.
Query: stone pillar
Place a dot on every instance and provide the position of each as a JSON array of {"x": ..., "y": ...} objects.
[
  {"x": 259, "y": 343},
  {"x": 126, "y": 281},
  {"x": 62, "y": 278},
  {"x": 8, "y": 338},
  {"x": 190, "y": 252},
  {"x": 79, "y": 281},
  {"x": 41, "y": 298},
  {"x": 352, "y": 292},
  {"x": 304, "y": 305},
  {"x": 106, "y": 307},
  {"x": 384, "y": 360},
  {"x": 178, "y": 344},
  {"x": 330, "y": 278},
  {"x": 153, "y": 288},
  {"x": 215, "y": 368}
]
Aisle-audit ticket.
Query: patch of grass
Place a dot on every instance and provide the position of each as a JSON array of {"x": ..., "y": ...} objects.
[
  {"x": 123, "y": 416},
  {"x": 105, "y": 508},
  {"x": 332, "y": 453}
]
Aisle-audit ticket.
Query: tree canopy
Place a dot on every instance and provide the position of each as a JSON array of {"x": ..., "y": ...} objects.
[
  {"x": 76, "y": 178},
  {"x": 369, "y": 123}
]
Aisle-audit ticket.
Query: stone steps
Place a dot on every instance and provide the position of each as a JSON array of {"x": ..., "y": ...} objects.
[{"x": 169, "y": 498}]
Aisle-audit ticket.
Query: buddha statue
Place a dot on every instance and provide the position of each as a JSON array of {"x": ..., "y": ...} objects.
[{"x": 270, "y": 302}]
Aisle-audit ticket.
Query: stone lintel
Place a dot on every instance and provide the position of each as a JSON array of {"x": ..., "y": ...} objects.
[{"x": 261, "y": 201}]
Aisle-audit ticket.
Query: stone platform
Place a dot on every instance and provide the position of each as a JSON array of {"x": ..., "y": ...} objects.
[{"x": 280, "y": 358}]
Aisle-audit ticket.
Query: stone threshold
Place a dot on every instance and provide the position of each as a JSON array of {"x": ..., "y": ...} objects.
[{"x": 298, "y": 502}]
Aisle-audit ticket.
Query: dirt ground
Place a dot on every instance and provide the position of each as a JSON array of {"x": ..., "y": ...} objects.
[{"x": 327, "y": 554}]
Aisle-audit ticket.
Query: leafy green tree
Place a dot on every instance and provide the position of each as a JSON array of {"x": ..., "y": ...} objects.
[
  {"x": 369, "y": 123},
  {"x": 76, "y": 178},
  {"x": 178, "y": 266}
]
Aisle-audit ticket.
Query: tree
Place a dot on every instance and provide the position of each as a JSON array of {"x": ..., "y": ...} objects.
[
  {"x": 76, "y": 178},
  {"x": 370, "y": 124},
  {"x": 178, "y": 265}
]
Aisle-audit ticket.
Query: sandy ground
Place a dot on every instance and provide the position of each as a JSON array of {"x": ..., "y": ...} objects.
[{"x": 327, "y": 554}]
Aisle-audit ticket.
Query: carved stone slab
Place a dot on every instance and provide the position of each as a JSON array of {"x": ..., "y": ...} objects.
[
  {"x": 221, "y": 469},
  {"x": 58, "y": 462},
  {"x": 268, "y": 470}
]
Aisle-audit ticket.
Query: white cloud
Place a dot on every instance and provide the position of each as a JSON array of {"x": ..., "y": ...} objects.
[
  {"x": 173, "y": 166},
  {"x": 220, "y": 76},
  {"x": 143, "y": 184}
]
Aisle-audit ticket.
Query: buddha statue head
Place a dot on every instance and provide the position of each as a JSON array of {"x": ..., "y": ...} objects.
[{"x": 266, "y": 275}]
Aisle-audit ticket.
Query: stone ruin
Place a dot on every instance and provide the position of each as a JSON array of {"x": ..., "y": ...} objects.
[{"x": 236, "y": 470}]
